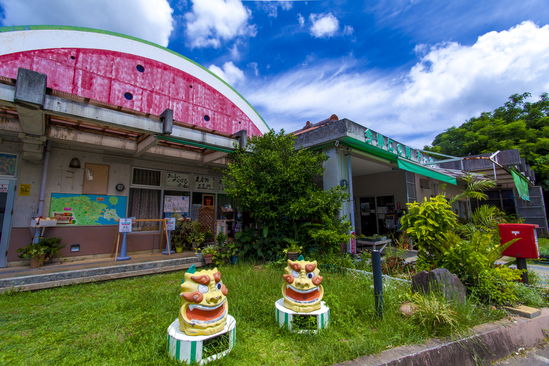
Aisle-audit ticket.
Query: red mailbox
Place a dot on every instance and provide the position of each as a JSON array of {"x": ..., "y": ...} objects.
[{"x": 526, "y": 247}]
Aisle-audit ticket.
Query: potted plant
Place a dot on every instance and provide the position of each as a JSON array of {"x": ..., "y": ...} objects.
[
  {"x": 293, "y": 250},
  {"x": 178, "y": 243},
  {"x": 208, "y": 253},
  {"x": 232, "y": 252},
  {"x": 41, "y": 252}
]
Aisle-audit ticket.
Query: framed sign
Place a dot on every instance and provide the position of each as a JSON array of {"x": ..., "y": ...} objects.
[
  {"x": 178, "y": 180},
  {"x": 8, "y": 164},
  {"x": 125, "y": 225},
  {"x": 207, "y": 200}
]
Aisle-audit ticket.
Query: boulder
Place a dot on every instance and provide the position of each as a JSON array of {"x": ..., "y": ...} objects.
[{"x": 442, "y": 280}]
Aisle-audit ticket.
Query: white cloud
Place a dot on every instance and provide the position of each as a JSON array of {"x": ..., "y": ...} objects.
[
  {"x": 230, "y": 73},
  {"x": 253, "y": 65},
  {"x": 213, "y": 21},
  {"x": 301, "y": 20},
  {"x": 449, "y": 84},
  {"x": 272, "y": 7},
  {"x": 324, "y": 25},
  {"x": 147, "y": 19},
  {"x": 348, "y": 30}
]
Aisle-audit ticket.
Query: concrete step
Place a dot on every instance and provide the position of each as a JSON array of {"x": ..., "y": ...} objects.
[{"x": 42, "y": 281}]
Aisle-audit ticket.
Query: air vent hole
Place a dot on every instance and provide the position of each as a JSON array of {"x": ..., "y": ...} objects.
[{"x": 128, "y": 96}]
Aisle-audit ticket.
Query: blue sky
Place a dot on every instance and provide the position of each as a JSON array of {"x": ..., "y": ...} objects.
[{"x": 408, "y": 69}]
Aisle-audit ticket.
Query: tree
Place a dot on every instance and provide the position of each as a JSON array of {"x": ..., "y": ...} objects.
[
  {"x": 516, "y": 125},
  {"x": 275, "y": 183}
]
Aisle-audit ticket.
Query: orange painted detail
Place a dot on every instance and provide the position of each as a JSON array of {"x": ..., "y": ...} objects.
[
  {"x": 316, "y": 280},
  {"x": 224, "y": 290},
  {"x": 205, "y": 315},
  {"x": 310, "y": 267},
  {"x": 288, "y": 278},
  {"x": 194, "y": 296},
  {"x": 217, "y": 277},
  {"x": 296, "y": 266},
  {"x": 203, "y": 280},
  {"x": 302, "y": 297}
]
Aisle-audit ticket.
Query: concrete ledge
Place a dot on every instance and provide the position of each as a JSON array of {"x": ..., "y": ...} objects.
[
  {"x": 487, "y": 343},
  {"x": 105, "y": 277},
  {"x": 96, "y": 274},
  {"x": 524, "y": 311}
]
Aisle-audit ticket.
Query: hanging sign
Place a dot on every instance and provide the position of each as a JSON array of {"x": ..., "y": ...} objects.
[
  {"x": 178, "y": 180},
  {"x": 125, "y": 225},
  {"x": 4, "y": 188},
  {"x": 170, "y": 224},
  {"x": 220, "y": 185},
  {"x": 204, "y": 182}
]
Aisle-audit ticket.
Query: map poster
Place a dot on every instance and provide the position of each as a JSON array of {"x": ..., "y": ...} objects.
[
  {"x": 170, "y": 225},
  {"x": 176, "y": 204},
  {"x": 87, "y": 209},
  {"x": 125, "y": 225}
]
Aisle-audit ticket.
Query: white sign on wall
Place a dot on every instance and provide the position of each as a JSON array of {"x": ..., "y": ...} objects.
[
  {"x": 170, "y": 225},
  {"x": 176, "y": 203}
]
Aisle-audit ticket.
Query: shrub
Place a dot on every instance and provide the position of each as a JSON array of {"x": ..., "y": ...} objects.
[{"x": 426, "y": 223}]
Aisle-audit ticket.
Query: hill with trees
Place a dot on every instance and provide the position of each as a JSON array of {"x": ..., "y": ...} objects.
[{"x": 516, "y": 125}]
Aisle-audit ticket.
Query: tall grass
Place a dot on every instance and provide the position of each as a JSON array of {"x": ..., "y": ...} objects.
[{"x": 124, "y": 322}]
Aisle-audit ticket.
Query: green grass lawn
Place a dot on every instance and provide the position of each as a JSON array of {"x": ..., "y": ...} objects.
[{"x": 124, "y": 322}]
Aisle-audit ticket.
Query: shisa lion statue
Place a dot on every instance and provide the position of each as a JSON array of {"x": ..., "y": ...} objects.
[
  {"x": 203, "y": 303},
  {"x": 302, "y": 290}
]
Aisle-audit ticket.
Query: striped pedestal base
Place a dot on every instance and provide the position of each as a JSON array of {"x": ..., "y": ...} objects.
[
  {"x": 284, "y": 317},
  {"x": 182, "y": 347}
]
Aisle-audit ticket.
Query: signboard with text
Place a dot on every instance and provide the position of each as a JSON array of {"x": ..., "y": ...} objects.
[
  {"x": 125, "y": 225},
  {"x": 178, "y": 180}
]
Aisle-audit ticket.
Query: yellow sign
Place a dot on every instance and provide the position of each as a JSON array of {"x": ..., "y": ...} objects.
[{"x": 24, "y": 189}]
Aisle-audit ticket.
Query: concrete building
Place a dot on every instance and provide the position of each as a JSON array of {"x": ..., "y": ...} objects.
[
  {"x": 382, "y": 175},
  {"x": 95, "y": 126}
]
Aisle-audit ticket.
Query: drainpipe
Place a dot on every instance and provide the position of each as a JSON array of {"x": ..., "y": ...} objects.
[
  {"x": 42, "y": 188},
  {"x": 352, "y": 243}
]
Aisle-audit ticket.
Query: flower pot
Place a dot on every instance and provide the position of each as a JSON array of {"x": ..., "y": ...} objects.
[
  {"x": 36, "y": 262},
  {"x": 178, "y": 249},
  {"x": 208, "y": 258},
  {"x": 292, "y": 256}
]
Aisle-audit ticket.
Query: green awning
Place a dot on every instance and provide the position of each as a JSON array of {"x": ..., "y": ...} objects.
[
  {"x": 421, "y": 170},
  {"x": 521, "y": 183},
  {"x": 363, "y": 146}
]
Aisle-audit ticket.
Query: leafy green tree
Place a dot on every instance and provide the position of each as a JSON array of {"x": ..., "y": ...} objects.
[
  {"x": 516, "y": 125},
  {"x": 275, "y": 183}
]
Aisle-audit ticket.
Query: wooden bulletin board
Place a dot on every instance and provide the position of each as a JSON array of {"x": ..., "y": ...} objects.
[{"x": 96, "y": 179}]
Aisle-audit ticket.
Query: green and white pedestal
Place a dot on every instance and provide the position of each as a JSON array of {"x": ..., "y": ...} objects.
[
  {"x": 285, "y": 316},
  {"x": 182, "y": 347}
]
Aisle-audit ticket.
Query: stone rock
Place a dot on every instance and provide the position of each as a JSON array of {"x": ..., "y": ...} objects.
[
  {"x": 407, "y": 309},
  {"x": 442, "y": 280}
]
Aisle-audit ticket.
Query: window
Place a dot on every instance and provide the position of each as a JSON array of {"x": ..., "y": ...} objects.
[
  {"x": 156, "y": 194},
  {"x": 144, "y": 203}
]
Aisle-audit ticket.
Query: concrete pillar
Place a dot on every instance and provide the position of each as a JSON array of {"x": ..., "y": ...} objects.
[{"x": 336, "y": 170}]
